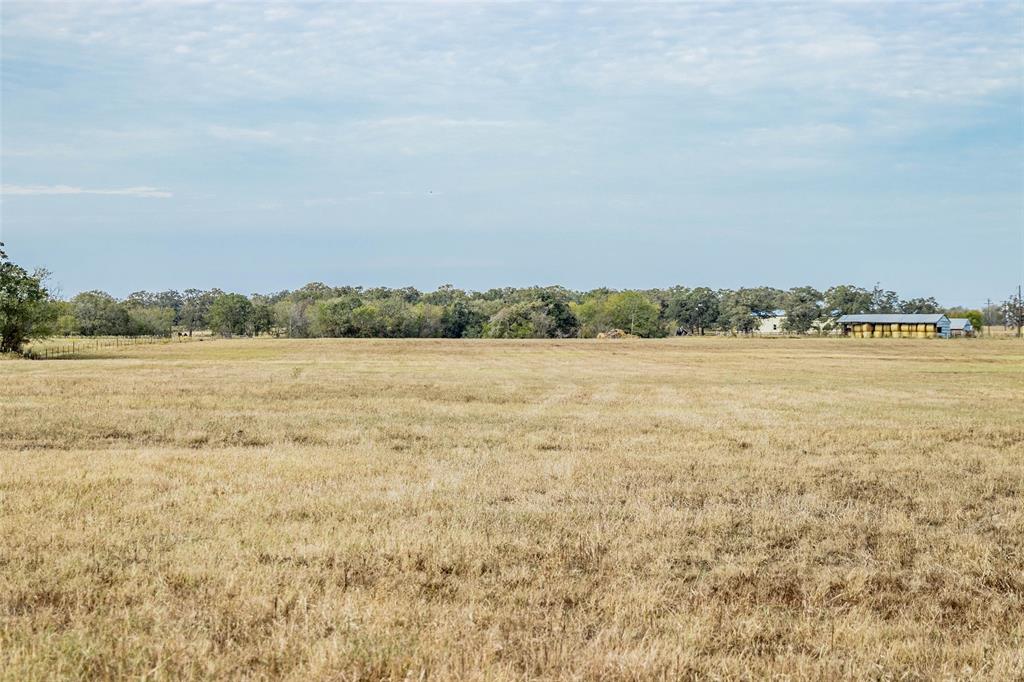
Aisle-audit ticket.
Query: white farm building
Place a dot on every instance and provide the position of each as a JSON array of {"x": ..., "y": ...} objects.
[{"x": 773, "y": 324}]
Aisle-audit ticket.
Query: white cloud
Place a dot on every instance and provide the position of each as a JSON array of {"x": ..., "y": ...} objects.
[
  {"x": 63, "y": 190},
  {"x": 241, "y": 134},
  {"x": 411, "y": 51}
]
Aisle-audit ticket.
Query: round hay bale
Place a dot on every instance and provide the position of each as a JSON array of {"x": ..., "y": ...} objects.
[{"x": 868, "y": 327}]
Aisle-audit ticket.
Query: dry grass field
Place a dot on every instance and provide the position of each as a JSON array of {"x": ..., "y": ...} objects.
[{"x": 365, "y": 510}]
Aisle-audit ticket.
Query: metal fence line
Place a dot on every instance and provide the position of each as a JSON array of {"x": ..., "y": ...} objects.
[{"x": 74, "y": 346}]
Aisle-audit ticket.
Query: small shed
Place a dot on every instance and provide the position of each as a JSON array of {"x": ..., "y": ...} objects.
[
  {"x": 896, "y": 325},
  {"x": 960, "y": 326}
]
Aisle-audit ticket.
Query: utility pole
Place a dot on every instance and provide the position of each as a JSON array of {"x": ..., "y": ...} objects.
[{"x": 984, "y": 318}]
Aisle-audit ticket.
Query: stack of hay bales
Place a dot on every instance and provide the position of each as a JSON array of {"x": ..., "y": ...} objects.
[
  {"x": 615, "y": 334},
  {"x": 897, "y": 330}
]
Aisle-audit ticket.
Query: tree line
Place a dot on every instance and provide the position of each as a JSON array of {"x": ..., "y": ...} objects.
[{"x": 320, "y": 310}]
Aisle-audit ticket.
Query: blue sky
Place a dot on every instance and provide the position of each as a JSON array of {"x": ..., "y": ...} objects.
[{"x": 256, "y": 146}]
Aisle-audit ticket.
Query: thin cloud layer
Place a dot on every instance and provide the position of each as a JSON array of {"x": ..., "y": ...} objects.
[
  {"x": 900, "y": 50},
  {"x": 720, "y": 143},
  {"x": 64, "y": 190}
]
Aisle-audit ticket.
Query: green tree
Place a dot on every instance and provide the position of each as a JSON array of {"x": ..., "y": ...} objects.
[
  {"x": 231, "y": 315},
  {"x": 150, "y": 320},
  {"x": 24, "y": 310},
  {"x": 195, "y": 308},
  {"x": 920, "y": 305},
  {"x": 846, "y": 299},
  {"x": 456, "y": 319},
  {"x": 262, "y": 314},
  {"x": 977, "y": 320},
  {"x": 695, "y": 310},
  {"x": 334, "y": 316},
  {"x": 65, "y": 322},
  {"x": 630, "y": 311},
  {"x": 803, "y": 307},
  {"x": 99, "y": 314},
  {"x": 633, "y": 312},
  {"x": 885, "y": 301},
  {"x": 518, "y": 321}
]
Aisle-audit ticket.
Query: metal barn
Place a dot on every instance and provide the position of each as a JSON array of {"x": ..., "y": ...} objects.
[
  {"x": 896, "y": 325},
  {"x": 960, "y": 326}
]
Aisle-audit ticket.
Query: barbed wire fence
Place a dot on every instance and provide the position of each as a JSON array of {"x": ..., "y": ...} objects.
[{"x": 69, "y": 348}]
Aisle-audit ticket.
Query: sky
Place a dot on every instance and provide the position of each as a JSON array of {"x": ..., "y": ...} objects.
[{"x": 258, "y": 146}]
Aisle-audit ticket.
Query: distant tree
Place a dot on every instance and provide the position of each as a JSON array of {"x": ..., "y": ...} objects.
[
  {"x": 456, "y": 319},
  {"x": 803, "y": 306},
  {"x": 100, "y": 314},
  {"x": 737, "y": 316},
  {"x": 315, "y": 291},
  {"x": 920, "y": 305},
  {"x": 847, "y": 299},
  {"x": 977, "y": 320},
  {"x": 693, "y": 309},
  {"x": 425, "y": 320},
  {"x": 140, "y": 299},
  {"x": 367, "y": 321},
  {"x": 885, "y": 301},
  {"x": 633, "y": 312},
  {"x": 445, "y": 295},
  {"x": 195, "y": 308},
  {"x": 231, "y": 315},
  {"x": 24, "y": 310},
  {"x": 763, "y": 302},
  {"x": 334, "y": 317},
  {"x": 555, "y": 306},
  {"x": 736, "y": 313},
  {"x": 992, "y": 315},
  {"x": 262, "y": 314},
  {"x": 519, "y": 321},
  {"x": 1013, "y": 312},
  {"x": 64, "y": 321},
  {"x": 150, "y": 321}
]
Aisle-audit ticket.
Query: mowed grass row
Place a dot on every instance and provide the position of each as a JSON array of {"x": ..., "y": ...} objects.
[{"x": 369, "y": 509}]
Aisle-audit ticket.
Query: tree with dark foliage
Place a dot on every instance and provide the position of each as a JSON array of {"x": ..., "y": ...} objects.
[{"x": 25, "y": 313}]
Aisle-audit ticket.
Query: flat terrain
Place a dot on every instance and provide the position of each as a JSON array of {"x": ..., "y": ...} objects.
[{"x": 352, "y": 509}]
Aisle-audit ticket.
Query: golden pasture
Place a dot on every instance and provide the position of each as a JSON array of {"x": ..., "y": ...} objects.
[{"x": 372, "y": 509}]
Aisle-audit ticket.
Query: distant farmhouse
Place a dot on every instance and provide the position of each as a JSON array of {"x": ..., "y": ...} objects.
[
  {"x": 773, "y": 324},
  {"x": 960, "y": 326},
  {"x": 919, "y": 326}
]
